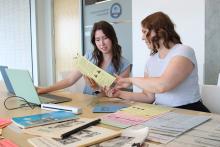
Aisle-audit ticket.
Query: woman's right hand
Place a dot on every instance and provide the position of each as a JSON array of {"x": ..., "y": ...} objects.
[
  {"x": 122, "y": 82},
  {"x": 111, "y": 92}
]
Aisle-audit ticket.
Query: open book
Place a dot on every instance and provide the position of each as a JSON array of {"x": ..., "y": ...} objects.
[
  {"x": 86, "y": 137},
  {"x": 89, "y": 69},
  {"x": 130, "y": 137},
  {"x": 56, "y": 130}
]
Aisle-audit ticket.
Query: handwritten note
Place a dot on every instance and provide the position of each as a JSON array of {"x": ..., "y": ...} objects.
[{"x": 87, "y": 68}]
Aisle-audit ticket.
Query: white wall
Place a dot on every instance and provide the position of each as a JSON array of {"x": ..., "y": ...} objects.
[
  {"x": 42, "y": 42},
  {"x": 189, "y": 17}
]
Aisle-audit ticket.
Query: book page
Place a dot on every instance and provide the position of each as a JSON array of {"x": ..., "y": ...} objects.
[
  {"x": 57, "y": 129},
  {"x": 101, "y": 77},
  {"x": 86, "y": 137},
  {"x": 7, "y": 143},
  {"x": 128, "y": 138}
]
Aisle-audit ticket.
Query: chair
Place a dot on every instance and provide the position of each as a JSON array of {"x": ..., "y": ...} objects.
[
  {"x": 211, "y": 97},
  {"x": 218, "y": 80},
  {"x": 75, "y": 88}
]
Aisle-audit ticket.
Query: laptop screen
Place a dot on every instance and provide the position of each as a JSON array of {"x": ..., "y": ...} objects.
[
  {"x": 6, "y": 80},
  {"x": 22, "y": 84}
]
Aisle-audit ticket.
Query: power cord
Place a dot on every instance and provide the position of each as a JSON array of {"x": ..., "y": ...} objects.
[{"x": 27, "y": 104}]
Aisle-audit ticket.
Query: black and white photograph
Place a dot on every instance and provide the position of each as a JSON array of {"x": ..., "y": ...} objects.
[{"x": 79, "y": 136}]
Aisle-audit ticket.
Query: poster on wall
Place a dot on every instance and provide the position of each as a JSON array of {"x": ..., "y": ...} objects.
[{"x": 116, "y": 12}]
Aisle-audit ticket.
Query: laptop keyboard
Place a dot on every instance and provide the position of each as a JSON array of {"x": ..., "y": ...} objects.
[
  {"x": 46, "y": 100},
  {"x": 50, "y": 98}
]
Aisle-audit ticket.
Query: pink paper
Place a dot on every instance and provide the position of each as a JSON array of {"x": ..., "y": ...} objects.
[
  {"x": 4, "y": 122},
  {"x": 124, "y": 118},
  {"x": 7, "y": 143}
]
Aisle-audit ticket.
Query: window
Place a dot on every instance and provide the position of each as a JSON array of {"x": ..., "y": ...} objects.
[{"x": 15, "y": 36}]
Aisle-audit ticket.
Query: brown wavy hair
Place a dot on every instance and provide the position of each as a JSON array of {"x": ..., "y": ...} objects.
[
  {"x": 109, "y": 31},
  {"x": 164, "y": 29}
]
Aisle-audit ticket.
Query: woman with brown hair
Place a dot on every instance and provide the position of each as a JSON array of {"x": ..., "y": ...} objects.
[
  {"x": 106, "y": 55},
  {"x": 171, "y": 74}
]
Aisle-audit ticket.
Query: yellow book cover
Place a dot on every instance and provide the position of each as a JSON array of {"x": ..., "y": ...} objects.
[{"x": 100, "y": 76}]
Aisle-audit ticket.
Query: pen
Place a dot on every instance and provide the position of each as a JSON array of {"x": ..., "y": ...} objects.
[
  {"x": 67, "y": 134},
  {"x": 136, "y": 145}
]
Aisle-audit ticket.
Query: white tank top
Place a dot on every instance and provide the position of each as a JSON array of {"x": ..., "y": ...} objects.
[{"x": 186, "y": 92}]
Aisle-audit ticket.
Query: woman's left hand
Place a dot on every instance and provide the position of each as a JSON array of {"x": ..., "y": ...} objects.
[
  {"x": 111, "y": 92},
  {"x": 122, "y": 82},
  {"x": 91, "y": 83}
]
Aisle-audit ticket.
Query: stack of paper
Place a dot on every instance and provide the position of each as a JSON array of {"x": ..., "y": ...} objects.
[
  {"x": 101, "y": 77},
  {"x": 134, "y": 115},
  {"x": 167, "y": 127}
]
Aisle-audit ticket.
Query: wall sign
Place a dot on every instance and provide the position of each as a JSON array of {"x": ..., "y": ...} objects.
[{"x": 115, "y": 10}]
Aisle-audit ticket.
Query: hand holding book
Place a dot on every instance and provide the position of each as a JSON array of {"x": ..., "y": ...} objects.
[
  {"x": 121, "y": 82},
  {"x": 91, "y": 83},
  {"x": 101, "y": 77}
]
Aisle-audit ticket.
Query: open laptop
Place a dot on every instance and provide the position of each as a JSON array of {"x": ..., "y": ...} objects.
[
  {"x": 6, "y": 80},
  {"x": 23, "y": 87}
]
